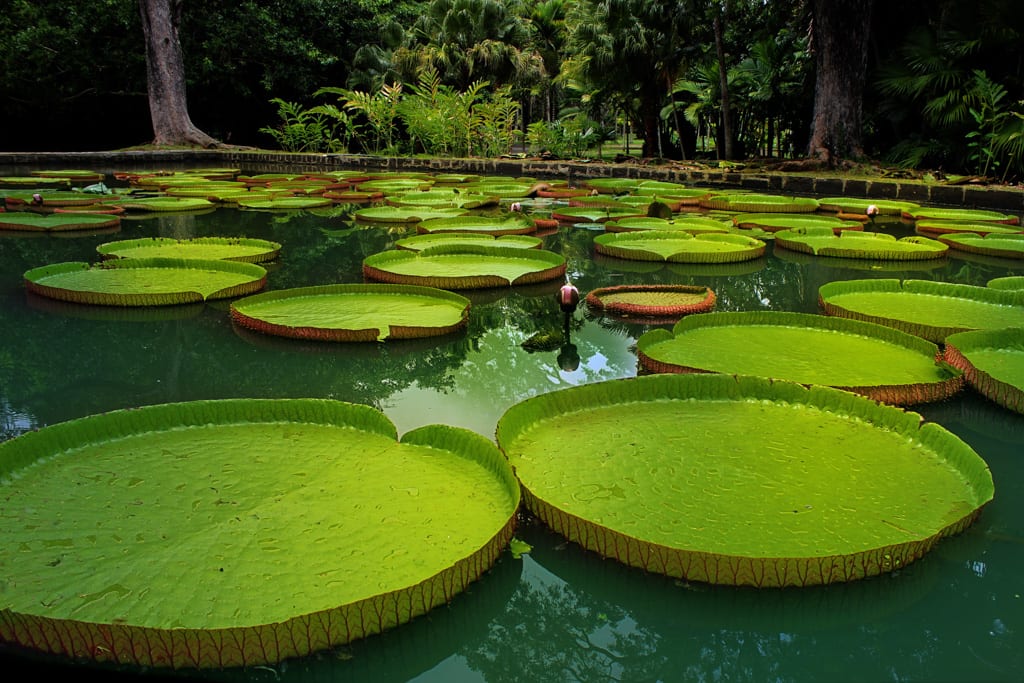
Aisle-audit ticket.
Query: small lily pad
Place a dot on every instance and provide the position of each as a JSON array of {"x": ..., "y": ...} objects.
[{"x": 652, "y": 301}]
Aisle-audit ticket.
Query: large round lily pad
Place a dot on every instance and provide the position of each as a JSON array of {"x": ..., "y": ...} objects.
[
  {"x": 860, "y": 245},
  {"x": 437, "y": 239},
  {"x": 760, "y": 203},
  {"x": 55, "y": 222},
  {"x": 958, "y": 214},
  {"x": 692, "y": 224},
  {"x": 774, "y": 222},
  {"x": 932, "y": 310},
  {"x": 244, "y": 249},
  {"x": 1006, "y": 246},
  {"x": 992, "y": 362},
  {"x": 161, "y": 204},
  {"x": 939, "y": 228},
  {"x": 240, "y": 532},
  {"x": 146, "y": 281},
  {"x": 874, "y": 360},
  {"x": 484, "y": 225},
  {"x": 742, "y": 480},
  {"x": 859, "y": 206},
  {"x": 596, "y": 214},
  {"x": 357, "y": 313},
  {"x": 407, "y": 214},
  {"x": 464, "y": 267},
  {"x": 679, "y": 247}
]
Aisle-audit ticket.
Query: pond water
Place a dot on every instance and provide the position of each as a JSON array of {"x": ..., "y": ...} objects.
[{"x": 557, "y": 613}]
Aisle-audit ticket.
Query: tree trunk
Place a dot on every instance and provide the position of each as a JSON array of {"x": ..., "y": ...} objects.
[
  {"x": 723, "y": 84},
  {"x": 840, "y": 42},
  {"x": 165, "y": 75}
]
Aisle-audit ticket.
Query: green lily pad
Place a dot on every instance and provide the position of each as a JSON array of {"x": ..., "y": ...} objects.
[
  {"x": 483, "y": 225},
  {"x": 145, "y": 282},
  {"x": 651, "y": 301},
  {"x": 938, "y": 228},
  {"x": 860, "y": 245},
  {"x": 437, "y": 239},
  {"x": 760, "y": 203},
  {"x": 59, "y": 198},
  {"x": 992, "y": 362},
  {"x": 77, "y": 175},
  {"x": 55, "y": 222},
  {"x": 356, "y": 313},
  {"x": 679, "y": 247},
  {"x": 733, "y": 479},
  {"x": 962, "y": 215},
  {"x": 596, "y": 214},
  {"x": 775, "y": 222},
  {"x": 444, "y": 198},
  {"x": 1006, "y": 246},
  {"x": 1012, "y": 282},
  {"x": 612, "y": 185},
  {"x": 854, "y": 205},
  {"x": 283, "y": 203},
  {"x": 228, "y": 248},
  {"x": 506, "y": 189},
  {"x": 694, "y": 225},
  {"x": 465, "y": 267},
  {"x": 932, "y": 310},
  {"x": 662, "y": 187},
  {"x": 160, "y": 204},
  {"x": 35, "y": 182},
  {"x": 406, "y": 214},
  {"x": 874, "y": 360},
  {"x": 241, "y": 532}
]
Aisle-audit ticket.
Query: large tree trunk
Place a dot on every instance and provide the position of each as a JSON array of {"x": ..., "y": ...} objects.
[
  {"x": 840, "y": 41},
  {"x": 723, "y": 84},
  {"x": 165, "y": 75}
]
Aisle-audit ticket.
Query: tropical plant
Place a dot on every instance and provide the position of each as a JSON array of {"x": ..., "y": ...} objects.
[
  {"x": 376, "y": 132},
  {"x": 319, "y": 129}
]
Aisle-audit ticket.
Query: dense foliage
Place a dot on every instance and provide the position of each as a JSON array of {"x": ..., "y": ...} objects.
[{"x": 718, "y": 79}]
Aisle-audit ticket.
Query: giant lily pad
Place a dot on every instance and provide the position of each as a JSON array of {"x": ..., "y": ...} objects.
[
  {"x": 1007, "y": 246},
  {"x": 692, "y": 224},
  {"x": 774, "y": 222},
  {"x": 992, "y": 362},
  {"x": 406, "y": 214},
  {"x": 437, "y": 239},
  {"x": 444, "y": 198},
  {"x": 596, "y": 214},
  {"x": 956, "y": 214},
  {"x": 229, "y": 248},
  {"x": 679, "y": 247},
  {"x": 55, "y": 222},
  {"x": 283, "y": 203},
  {"x": 860, "y": 245},
  {"x": 484, "y": 225},
  {"x": 733, "y": 479},
  {"x": 465, "y": 267},
  {"x": 859, "y": 206},
  {"x": 760, "y": 203},
  {"x": 240, "y": 532},
  {"x": 356, "y": 313},
  {"x": 1011, "y": 282},
  {"x": 160, "y": 204},
  {"x": 874, "y": 360},
  {"x": 612, "y": 185},
  {"x": 651, "y": 301},
  {"x": 146, "y": 281},
  {"x": 938, "y": 228},
  {"x": 53, "y": 199},
  {"x": 932, "y": 310}
]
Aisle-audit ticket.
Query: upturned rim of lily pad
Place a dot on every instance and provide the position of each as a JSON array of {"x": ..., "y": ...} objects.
[
  {"x": 243, "y": 501},
  {"x": 679, "y": 246},
  {"x": 992, "y": 362},
  {"x": 660, "y": 472}
]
